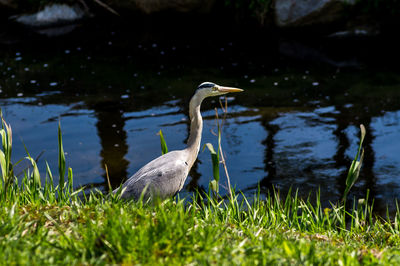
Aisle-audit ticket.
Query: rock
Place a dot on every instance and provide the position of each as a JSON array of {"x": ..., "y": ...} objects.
[
  {"x": 8, "y": 3},
  {"x": 52, "y": 15},
  {"x": 295, "y": 13}
]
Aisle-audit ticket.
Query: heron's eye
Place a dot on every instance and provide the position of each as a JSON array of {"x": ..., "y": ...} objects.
[{"x": 214, "y": 88}]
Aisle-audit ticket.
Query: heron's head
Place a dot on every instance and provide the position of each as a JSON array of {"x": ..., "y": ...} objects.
[{"x": 211, "y": 89}]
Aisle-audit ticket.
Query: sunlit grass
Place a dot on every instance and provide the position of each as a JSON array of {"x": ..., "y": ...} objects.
[
  {"x": 203, "y": 231},
  {"x": 44, "y": 223}
]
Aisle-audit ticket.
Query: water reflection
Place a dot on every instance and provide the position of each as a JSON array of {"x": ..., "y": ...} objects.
[
  {"x": 110, "y": 129},
  {"x": 296, "y": 125}
]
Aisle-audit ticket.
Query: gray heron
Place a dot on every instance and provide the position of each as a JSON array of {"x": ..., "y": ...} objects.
[{"x": 164, "y": 176}]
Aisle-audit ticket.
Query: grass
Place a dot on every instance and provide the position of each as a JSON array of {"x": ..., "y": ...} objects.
[
  {"x": 106, "y": 231},
  {"x": 41, "y": 223}
]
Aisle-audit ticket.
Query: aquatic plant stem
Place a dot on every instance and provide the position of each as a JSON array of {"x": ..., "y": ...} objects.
[
  {"x": 356, "y": 164},
  {"x": 108, "y": 178},
  {"x": 221, "y": 151}
]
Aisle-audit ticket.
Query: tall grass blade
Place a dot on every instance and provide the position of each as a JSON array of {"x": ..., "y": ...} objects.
[
  {"x": 214, "y": 159},
  {"x": 35, "y": 172},
  {"x": 355, "y": 166},
  {"x": 215, "y": 165},
  {"x": 70, "y": 180},
  {"x": 61, "y": 161},
  {"x": 50, "y": 175},
  {"x": 5, "y": 155},
  {"x": 8, "y": 140},
  {"x": 3, "y": 166},
  {"x": 164, "y": 148}
]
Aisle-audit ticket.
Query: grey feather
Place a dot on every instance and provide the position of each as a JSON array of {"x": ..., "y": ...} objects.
[{"x": 163, "y": 177}]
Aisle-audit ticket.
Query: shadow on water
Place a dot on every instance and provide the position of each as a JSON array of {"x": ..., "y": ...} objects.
[{"x": 296, "y": 125}]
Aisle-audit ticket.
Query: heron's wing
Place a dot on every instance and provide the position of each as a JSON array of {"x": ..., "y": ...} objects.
[{"x": 164, "y": 175}]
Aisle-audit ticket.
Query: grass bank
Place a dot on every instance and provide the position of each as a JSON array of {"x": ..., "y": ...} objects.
[
  {"x": 41, "y": 223},
  {"x": 104, "y": 230}
]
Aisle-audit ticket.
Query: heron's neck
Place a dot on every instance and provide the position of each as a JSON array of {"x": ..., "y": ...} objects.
[{"x": 196, "y": 128}]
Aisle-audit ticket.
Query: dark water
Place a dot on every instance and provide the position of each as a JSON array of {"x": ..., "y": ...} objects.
[{"x": 296, "y": 125}]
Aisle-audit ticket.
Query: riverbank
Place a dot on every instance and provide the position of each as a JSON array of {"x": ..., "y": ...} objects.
[
  {"x": 41, "y": 223},
  {"x": 101, "y": 231}
]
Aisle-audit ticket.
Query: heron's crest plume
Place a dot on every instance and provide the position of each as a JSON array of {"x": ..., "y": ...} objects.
[{"x": 206, "y": 85}]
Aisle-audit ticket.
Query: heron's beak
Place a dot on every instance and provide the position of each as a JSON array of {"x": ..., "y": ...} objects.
[{"x": 228, "y": 89}]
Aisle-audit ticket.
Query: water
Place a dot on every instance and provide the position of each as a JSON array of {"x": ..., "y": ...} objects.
[{"x": 296, "y": 125}]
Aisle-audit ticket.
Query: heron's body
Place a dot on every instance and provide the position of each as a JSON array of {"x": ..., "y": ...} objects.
[
  {"x": 166, "y": 175},
  {"x": 168, "y": 172}
]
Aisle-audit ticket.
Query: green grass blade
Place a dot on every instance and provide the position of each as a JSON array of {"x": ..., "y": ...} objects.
[
  {"x": 355, "y": 166},
  {"x": 3, "y": 166},
  {"x": 9, "y": 139},
  {"x": 215, "y": 160},
  {"x": 35, "y": 173},
  {"x": 61, "y": 160},
  {"x": 5, "y": 157},
  {"x": 50, "y": 175},
  {"x": 164, "y": 148},
  {"x": 70, "y": 180}
]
